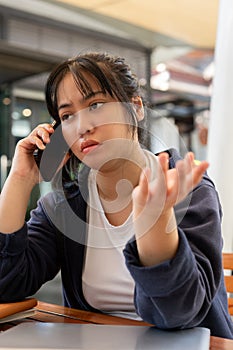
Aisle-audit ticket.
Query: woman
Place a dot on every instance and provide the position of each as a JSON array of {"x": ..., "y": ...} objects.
[{"x": 134, "y": 234}]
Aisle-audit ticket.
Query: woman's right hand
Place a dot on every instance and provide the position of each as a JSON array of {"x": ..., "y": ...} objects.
[
  {"x": 23, "y": 164},
  {"x": 23, "y": 176}
]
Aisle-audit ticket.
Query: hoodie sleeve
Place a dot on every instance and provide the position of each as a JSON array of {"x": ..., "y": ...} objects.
[
  {"x": 28, "y": 257},
  {"x": 178, "y": 293}
]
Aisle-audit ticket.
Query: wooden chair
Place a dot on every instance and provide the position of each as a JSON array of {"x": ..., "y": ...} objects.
[{"x": 228, "y": 265}]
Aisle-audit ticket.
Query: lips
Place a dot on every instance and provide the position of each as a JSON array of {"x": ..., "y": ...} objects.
[{"x": 88, "y": 145}]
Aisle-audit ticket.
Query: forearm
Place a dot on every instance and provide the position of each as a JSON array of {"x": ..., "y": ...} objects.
[
  {"x": 160, "y": 242},
  {"x": 181, "y": 286},
  {"x": 13, "y": 203}
]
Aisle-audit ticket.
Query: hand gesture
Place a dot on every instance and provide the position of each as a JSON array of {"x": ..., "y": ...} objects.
[{"x": 153, "y": 203}]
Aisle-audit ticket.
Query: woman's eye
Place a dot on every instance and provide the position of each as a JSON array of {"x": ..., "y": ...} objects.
[
  {"x": 66, "y": 117},
  {"x": 95, "y": 106}
]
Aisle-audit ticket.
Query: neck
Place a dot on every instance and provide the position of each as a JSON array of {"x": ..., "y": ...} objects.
[{"x": 119, "y": 180}]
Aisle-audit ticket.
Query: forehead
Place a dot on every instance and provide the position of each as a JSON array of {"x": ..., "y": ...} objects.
[
  {"x": 70, "y": 86},
  {"x": 86, "y": 82}
]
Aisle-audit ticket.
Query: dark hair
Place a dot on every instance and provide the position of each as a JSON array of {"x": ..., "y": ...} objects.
[{"x": 111, "y": 73}]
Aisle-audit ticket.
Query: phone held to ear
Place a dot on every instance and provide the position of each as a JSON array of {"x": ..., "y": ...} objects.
[{"x": 49, "y": 159}]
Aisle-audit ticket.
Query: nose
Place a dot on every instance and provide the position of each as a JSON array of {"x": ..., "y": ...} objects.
[{"x": 84, "y": 123}]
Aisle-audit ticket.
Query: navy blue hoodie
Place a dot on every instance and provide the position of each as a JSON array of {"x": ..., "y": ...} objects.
[{"x": 183, "y": 292}]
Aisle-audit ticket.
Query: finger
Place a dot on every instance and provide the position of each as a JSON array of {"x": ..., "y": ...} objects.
[
  {"x": 163, "y": 159},
  {"x": 41, "y": 132},
  {"x": 141, "y": 192},
  {"x": 36, "y": 142},
  {"x": 158, "y": 186},
  {"x": 47, "y": 127},
  {"x": 44, "y": 131},
  {"x": 199, "y": 171},
  {"x": 190, "y": 174},
  {"x": 185, "y": 167},
  {"x": 144, "y": 182},
  {"x": 198, "y": 168},
  {"x": 184, "y": 178}
]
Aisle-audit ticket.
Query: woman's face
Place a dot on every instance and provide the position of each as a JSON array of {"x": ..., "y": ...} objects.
[{"x": 96, "y": 127}]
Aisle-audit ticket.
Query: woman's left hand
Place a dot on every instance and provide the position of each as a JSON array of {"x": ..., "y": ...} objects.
[
  {"x": 170, "y": 186},
  {"x": 154, "y": 200}
]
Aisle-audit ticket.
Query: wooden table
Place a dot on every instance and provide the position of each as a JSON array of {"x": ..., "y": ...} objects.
[{"x": 45, "y": 312}]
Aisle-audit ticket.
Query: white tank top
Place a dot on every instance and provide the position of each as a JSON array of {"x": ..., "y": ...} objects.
[{"x": 107, "y": 283}]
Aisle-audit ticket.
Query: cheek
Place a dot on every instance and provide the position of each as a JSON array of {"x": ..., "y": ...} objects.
[
  {"x": 118, "y": 131},
  {"x": 70, "y": 135}
]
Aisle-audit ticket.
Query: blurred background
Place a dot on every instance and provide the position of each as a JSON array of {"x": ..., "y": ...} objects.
[{"x": 170, "y": 44}]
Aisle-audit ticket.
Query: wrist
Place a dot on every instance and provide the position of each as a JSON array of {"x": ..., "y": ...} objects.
[
  {"x": 160, "y": 242},
  {"x": 27, "y": 180}
]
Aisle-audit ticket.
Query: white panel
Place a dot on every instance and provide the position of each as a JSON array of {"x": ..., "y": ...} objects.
[{"x": 220, "y": 144}]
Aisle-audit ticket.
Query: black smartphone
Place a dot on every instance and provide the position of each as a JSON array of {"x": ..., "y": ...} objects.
[{"x": 49, "y": 159}]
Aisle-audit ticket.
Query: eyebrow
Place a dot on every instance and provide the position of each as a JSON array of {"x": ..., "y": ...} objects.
[
  {"x": 64, "y": 105},
  {"x": 85, "y": 98},
  {"x": 92, "y": 94}
]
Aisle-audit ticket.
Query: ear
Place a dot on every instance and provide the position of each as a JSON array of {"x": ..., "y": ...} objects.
[{"x": 137, "y": 101}]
